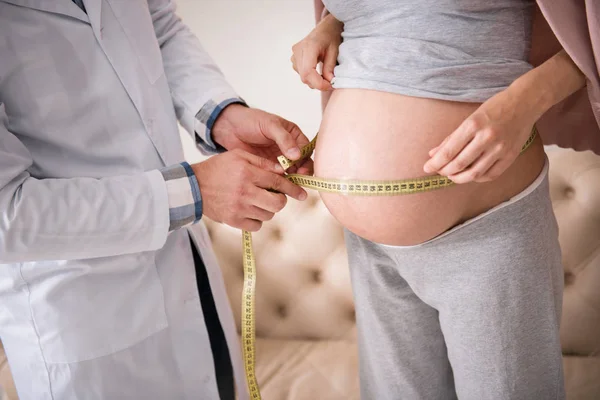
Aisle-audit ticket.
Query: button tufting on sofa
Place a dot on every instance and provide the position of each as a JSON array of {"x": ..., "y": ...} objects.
[
  {"x": 282, "y": 311},
  {"x": 352, "y": 315},
  {"x": 313, "y": 201},
  {"x": 569, "y": 278},
  {"x": 569, "y": 192},
  {"x": 316, "y": 276},
  {"x": 276, "y": 234},
  {"x": 306, "y": 270},
  {"x": 306, "y": 335}
]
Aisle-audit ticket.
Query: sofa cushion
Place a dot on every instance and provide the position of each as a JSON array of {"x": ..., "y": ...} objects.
[
  {"x": 307, "y": 370},
  {"x": 303, "y": 284},
  {"x": 575, "y": 192}
]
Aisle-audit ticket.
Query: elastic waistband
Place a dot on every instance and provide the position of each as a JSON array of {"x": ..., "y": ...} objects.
[{"x": 541, "y": 179}]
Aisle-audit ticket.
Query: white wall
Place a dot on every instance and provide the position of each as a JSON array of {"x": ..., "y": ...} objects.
[{"x": 251, "y": 41}]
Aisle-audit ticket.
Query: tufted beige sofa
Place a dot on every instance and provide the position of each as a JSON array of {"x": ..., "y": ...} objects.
[
  {"x": 306, "y": 328},
  {"x": 305, "y": 317}
]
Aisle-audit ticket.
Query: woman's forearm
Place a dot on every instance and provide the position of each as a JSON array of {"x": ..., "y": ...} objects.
[{"x": 548, "y": 84}]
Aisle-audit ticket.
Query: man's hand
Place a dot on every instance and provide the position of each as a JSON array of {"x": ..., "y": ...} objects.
[
  {"x": 234, "y": 187},
  {"x": 260, "y": 133}
]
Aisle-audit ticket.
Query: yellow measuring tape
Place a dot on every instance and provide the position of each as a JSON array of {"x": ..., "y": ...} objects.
[{"x": 340, "y": 186}]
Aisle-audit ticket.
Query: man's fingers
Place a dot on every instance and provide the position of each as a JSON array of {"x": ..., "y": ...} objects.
[
  {"x": 268, "y": 201},
  {"x": 250, "y": 225},
  {"x": 259, "y": 214},
  {"x": 279, "y": 184},
  {"x": 447, "y": 151},
  {"x": 265, "y": 175},
  {"x": 296, "y": 132},
  {"x": 305, "y": 167},
  {"x": 262, "y": 163},
  {"x": 283, "y": 137},
  {"x": 305, "y": 171}
]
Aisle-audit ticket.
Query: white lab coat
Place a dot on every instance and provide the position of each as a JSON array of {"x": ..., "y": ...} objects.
[{"x": 97, "y": 300}]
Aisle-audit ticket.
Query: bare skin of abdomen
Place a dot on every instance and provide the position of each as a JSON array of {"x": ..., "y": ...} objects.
[{"x": 373, "y": 135}]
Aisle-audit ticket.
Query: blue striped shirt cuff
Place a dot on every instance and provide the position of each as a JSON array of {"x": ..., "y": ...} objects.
[
  {"x": 205, "y": 120},
  {"x": 183, "y": 191}
]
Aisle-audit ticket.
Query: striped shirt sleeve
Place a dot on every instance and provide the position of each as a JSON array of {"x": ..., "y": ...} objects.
[
  {"x": 205, "y": 120},
  {"x": 183, "y": 191}
]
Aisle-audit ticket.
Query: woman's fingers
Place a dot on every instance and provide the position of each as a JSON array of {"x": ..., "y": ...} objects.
[
  {"x": 451, "y": 147},
  {"x": 329, "y": 62},
  {"x": 472, "y": 151},
  {"x": 307, "y": 58},
  {"x": 477, "y": 170},
  {"x": 250, "y": 225},
  {"x": 495, "y": 170}
]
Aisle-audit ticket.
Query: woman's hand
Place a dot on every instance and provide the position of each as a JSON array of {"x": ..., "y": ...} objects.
[
  {"x": 321, "y": 45},
  {"x": 490, "y": 140},
  {"x": 486, "y": 143}
]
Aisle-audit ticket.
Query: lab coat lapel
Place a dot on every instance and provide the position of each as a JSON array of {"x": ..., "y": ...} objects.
[
  {"x": 113, "y": 40},
  {"x": 94, "y": 11},
  {"x": 63, "y": 7}
]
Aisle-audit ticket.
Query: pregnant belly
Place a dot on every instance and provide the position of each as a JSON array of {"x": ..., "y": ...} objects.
[{"x": 379, "y": 136}]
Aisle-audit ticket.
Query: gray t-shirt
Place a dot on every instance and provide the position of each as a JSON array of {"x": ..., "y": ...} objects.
[{"x": 461, "y": 50}]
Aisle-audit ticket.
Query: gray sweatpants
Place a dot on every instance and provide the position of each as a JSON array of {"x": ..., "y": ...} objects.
[{"x": 471, "y": 314}]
